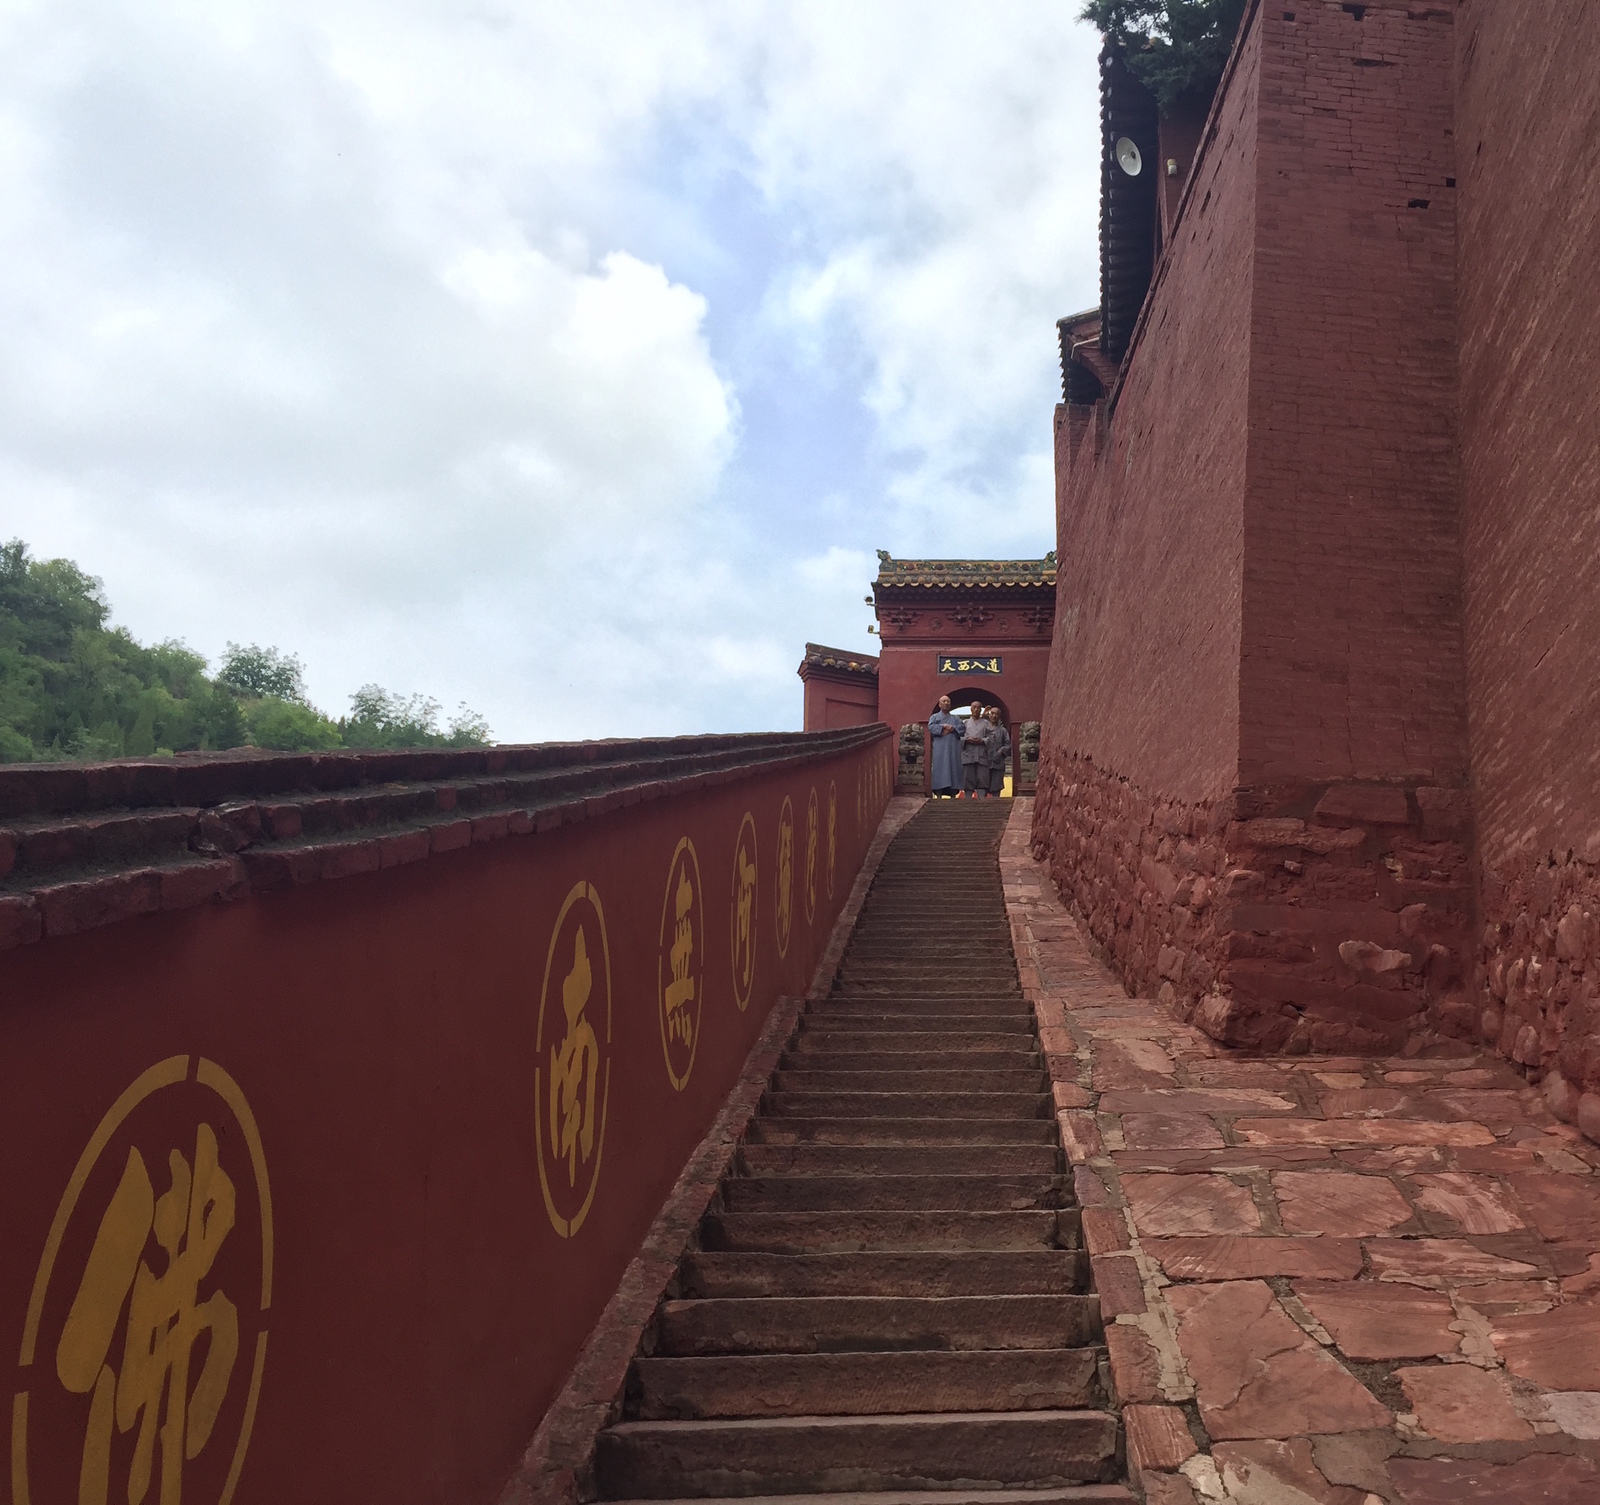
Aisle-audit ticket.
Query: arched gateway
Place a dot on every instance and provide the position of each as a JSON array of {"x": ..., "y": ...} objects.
[{"x": 957, "y": 627}]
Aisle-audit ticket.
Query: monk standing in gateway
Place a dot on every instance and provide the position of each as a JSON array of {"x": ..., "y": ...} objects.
[{"x": 944, "y": 732}]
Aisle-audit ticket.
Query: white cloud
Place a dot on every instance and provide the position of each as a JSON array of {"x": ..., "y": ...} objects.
[{"x": 356, "y": 328}]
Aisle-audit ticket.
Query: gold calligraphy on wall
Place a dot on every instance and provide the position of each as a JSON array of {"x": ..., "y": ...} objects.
[
  {"x": 742, "y": 913},
  {"x": 680, "y": 963},
  {"x": 833, "y": 831},
  {"x": 813, "y": 835},
  {"x": 151, "y": 1400},
  {"x": 572, "y": 1052},
  {"x": 784, "y": 879}
]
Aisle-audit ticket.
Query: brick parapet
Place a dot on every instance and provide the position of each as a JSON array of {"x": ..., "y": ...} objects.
[
  {"x": 89, "y": 845},
  {"x": 1293, "y": 917}
]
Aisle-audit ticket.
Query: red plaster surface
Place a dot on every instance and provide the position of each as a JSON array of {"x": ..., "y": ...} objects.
[
  {"x": 832, "y": 702},
  {"x": 383, "y": 1030},
  {"x": 1254, "y": 754},
  {"x": 1144, "y": 674},
  {"x": 1351, "y": 657}
]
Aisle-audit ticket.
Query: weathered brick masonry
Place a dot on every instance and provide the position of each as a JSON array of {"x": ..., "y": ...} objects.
[
  {"x": 1528, "y": 124},
  {"x": 1254, "y": 772}
]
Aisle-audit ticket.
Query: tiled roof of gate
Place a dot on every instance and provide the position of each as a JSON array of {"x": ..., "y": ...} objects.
[
  {"x": 966, "y": 572},
  {"x": 819, "y": 657}
]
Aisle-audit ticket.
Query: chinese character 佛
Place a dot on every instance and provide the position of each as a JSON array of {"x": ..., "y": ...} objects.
[
  {"x": 165, "y": 1320},
  {"x": 573, "y": 1067},
  {"x": 680, "y": 991}
]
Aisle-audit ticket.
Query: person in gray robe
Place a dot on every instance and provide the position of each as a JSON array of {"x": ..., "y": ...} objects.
[
  {"x": 975, "y": 734},
  {"x": 999, "y": 752},
  {"x": 944, "y": 732}
]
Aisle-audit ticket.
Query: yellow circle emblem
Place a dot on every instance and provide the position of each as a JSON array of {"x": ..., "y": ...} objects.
[
  {"x": 784, "y": 893},
  {"x": 813, "y": 835},
  {"x": 742, "y": 915},
  {"x": 680, "y": 963},
  {"x": 572, "y": 1054},
  {"x": 156, "y": 1330}
]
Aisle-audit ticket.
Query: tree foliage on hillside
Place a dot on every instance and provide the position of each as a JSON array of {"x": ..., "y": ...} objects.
[
  {"x": 1174, "y": 47},
  {"x": 73, "y": 688}
]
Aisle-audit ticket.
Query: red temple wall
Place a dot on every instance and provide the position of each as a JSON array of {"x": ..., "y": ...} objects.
[
  {"x": 384, "y": 1031},
  {"x": 1144, "y": 679},
  {"x": 1528, "y": 121},
  {"x": 1249, "y": 783},
  {"x": 832, "y": 704},
  {"x": 1351, "y": 655},
  {"x": 909, "y": 683},
  {"x": 1139, "y": 745}
]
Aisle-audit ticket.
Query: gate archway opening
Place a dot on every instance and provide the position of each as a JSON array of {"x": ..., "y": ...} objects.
[{"x": 960, "y": 700}]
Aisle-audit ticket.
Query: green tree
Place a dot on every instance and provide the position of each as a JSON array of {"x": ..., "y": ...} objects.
[
  {"x": 287, "y": 726},
  {"x": 1174, "y": 47},
  {"x": 379, "y": 719},
  {"x": 258, "y": 672}
]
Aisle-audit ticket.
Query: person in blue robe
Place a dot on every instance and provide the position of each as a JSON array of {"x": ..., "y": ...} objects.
[{"x": 944, "y": 733}]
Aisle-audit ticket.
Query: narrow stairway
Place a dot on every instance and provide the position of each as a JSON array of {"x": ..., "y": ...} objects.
[{"x": 888, "y": 1298}]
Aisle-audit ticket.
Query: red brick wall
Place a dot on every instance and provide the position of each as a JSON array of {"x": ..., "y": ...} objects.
[
  {"x": 1351, "y": 660},
  {"x": 1255, "y": 740},
  {"x": 1528, "y": 128},
  {"x": 1144, "y": 675}
]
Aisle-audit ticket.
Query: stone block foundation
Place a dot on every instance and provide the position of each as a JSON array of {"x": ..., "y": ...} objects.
[{"x": 1292, "y": 917}]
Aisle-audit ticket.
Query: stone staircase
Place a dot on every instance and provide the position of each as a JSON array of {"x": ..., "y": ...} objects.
[{"x": 888, "y": 1299}]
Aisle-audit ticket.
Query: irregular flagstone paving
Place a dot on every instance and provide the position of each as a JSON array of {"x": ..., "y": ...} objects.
[{"x": 1325, "y": 1280}]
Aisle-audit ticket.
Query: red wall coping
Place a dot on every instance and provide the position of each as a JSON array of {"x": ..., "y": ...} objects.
[{"x": 90, "y": 844}]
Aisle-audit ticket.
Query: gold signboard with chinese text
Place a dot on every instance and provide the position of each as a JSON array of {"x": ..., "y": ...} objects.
[{"x": 950, "y": 663}]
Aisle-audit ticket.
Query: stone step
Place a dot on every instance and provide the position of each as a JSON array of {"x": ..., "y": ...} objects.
[
  {"x": 864, "y": 1384},
  {"x": 898, "y": 1160},
  {"x": 903, "y": 1131},
  {"x": 1005, "y": 1272},
  {"x": 821, "y": 1075},
  {"x": 856, "y": 1037},
  {"x": 842, "y": 1324},
  {"x": 1005, "y": 1007},
  {"x": 1067, "y": 1494},
  {"x": 846, "y": 1232},
  {"x": 663, "y": 1459},
  {"x": 850, "y": 992},
  {"x": 905, "y": 1013},
  {"x": 922, "y": 1031},
  {"x": 925, "y": 1193},
  {"x": 907, "y": 1060},
  {"x": 948, "y": 1105}
]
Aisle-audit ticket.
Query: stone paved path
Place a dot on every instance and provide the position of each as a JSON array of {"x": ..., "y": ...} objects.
[{"x": 1325, "y": 1281}]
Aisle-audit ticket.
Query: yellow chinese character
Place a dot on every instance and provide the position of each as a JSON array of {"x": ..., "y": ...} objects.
[
  {"x": 680, "y": 991},
  {"x": 747, "y": 901},
  {"x": 574, "y": 1065},
  {"x": 165, "y": 1320},
  {"x": 785, "y": 875}
]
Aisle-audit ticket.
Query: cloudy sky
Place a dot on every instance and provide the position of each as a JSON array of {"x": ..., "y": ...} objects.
[{"x": 568, "y": 360}]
